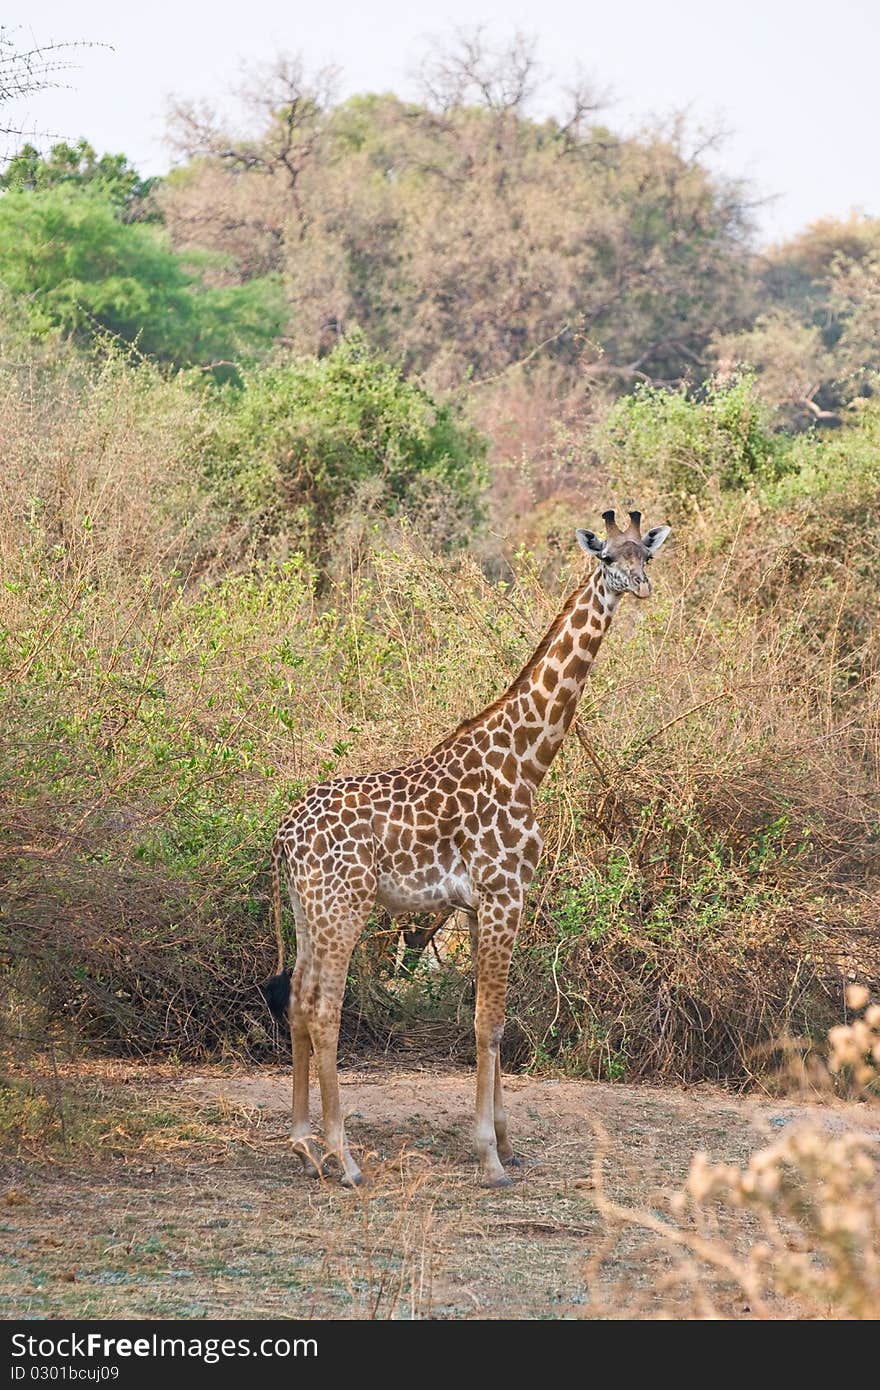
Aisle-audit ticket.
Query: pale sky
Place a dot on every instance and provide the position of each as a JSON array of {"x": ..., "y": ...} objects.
[{"x": 795, "y": 82}]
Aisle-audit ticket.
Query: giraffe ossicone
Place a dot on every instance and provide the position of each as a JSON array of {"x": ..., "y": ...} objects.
[{"x": 455, "y": 829}]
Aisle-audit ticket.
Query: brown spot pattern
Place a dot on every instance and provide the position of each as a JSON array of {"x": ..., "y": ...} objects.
[{"x": 455, "y": 829}]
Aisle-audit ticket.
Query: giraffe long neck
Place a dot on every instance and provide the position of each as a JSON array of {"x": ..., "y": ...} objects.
[{"x": 533, "y": 716}]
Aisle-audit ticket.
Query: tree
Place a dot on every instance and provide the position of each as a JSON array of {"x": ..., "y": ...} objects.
[
  {"x": 79, "y": 165},
  {"x": 70, "y": 264},
  {"x": 461, "y": 232},
  {"x": 790, "y": 360},
  {"x": 241, "y": 195},
  {"x": 300, "y": 443},
  {"x": 816, "y": 347}
]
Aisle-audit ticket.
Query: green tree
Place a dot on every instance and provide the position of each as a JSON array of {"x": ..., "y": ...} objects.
[
  {"x": 79, "y": 165},
  {"x": 69, "y": 263}
]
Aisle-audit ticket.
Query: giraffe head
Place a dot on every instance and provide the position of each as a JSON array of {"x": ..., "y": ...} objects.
[{"x": 624, "y": 554}]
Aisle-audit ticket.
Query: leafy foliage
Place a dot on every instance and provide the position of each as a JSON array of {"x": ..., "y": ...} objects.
[
  {"x": 70, "y": 264},
  {"x": 80, "y": 166},
  {"x": 299, "y": 443},
  {"x": 692, "y": 446}
]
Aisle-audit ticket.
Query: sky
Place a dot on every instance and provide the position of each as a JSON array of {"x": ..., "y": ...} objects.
[{"x": 792, "y": 82}]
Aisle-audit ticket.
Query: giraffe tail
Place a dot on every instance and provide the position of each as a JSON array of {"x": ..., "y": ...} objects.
[
  {"x": 276, "y": 991},
  {"x": 276, "y": 904}
]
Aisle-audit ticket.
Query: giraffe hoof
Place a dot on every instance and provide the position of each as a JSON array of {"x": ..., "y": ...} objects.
[
  {"x": 503, "y": 1180},
  {"x": 309, "y": 1164},
  {"x": 325, "y": 1170},
  {"x": 513, "y": 1161}
]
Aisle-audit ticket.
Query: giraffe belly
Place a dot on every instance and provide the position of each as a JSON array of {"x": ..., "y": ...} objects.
[{"x": 417, "y": 892}]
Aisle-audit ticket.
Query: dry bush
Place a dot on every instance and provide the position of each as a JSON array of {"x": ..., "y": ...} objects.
[
  {"x": 707, "y": 837},
  {"x": 101, "y": 486},
  {"x": 812, "y": 1200},
  {"x": 709, "y": 878}
]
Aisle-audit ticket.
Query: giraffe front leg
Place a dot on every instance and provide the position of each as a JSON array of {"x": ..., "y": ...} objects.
[
  {"x": 496, "y": 933},
  {"x": 505, "y": 1148},
  {"x": 492, "y": 1173},
  {"x": 326, "y": 1038}
]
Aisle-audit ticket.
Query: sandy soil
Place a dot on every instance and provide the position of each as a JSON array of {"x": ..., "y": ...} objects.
[{"x": 210, "y": 1215}]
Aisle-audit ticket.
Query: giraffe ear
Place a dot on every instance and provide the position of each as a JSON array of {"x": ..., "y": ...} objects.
[
  {"x": 590, "y": 542},
  {"x": 655, "y": 538}
]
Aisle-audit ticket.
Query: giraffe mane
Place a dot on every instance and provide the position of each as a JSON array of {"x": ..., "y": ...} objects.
[{"x": 475, "y": 720}]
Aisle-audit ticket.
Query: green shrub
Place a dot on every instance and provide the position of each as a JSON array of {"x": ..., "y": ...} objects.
[
  {"x": 833, "y": 466},
  {"x": 300, "y": 443},
  {"x": 691, "y": 447}
]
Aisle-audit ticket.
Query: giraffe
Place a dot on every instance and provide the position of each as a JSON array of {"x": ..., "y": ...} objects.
[{"x": 454, "y": 830}]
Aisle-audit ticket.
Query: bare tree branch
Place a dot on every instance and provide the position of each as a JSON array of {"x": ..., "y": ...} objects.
[
  {"x": 26, "y": 71},
  {"x": 285, "y": 105},
  {"x": 469, "y": 72},
  {"x": 584, "y": 101}
]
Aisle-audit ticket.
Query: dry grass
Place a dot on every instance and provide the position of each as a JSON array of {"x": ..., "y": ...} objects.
[
  {"x": 815, "y": 1198},
  {"x": 178, "y": 1195},
  {"x": 158, "y": 1192}
]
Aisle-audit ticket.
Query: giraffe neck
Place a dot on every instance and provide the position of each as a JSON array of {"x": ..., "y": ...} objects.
[
  {"x": 530, "y": 720},
  {"x": 542, "y": 701}
]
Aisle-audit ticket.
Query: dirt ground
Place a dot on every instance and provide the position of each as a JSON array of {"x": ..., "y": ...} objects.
[{"x": 202, "y": 1210}]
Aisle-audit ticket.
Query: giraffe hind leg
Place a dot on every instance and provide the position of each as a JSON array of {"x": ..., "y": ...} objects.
[
  {"x": 304, "y": 1139},
  {"x": 318, "y": 993}
]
